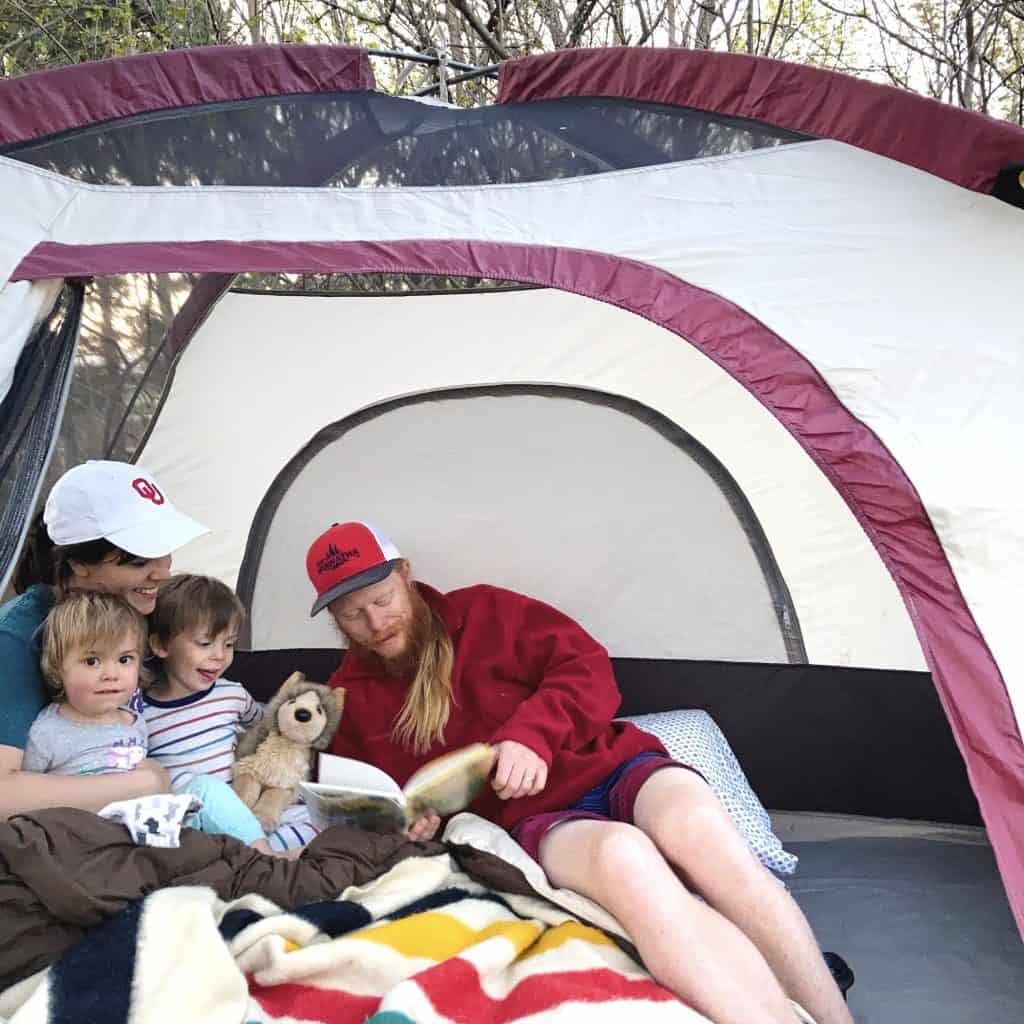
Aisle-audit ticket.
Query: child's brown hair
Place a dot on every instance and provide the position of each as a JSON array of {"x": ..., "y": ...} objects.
[
  {"x": 189, "y": 601},
  {"x": 87, "y": 619}
]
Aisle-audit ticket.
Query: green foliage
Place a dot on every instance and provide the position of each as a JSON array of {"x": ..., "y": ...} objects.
[{"x": 48, "y": 33}]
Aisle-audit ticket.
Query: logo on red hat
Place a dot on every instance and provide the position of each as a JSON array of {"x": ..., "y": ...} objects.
[
  {"x": 145, "y": 489},
  {"x": 335, "y": 558}
]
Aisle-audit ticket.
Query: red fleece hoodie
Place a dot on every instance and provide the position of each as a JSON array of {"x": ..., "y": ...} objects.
[{"x": 523, "y": 671}]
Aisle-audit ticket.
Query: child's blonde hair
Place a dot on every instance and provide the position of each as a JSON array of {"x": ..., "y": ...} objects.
[
  {"x": 87, "y": 619},
  {"x": 189, "y": 601}
]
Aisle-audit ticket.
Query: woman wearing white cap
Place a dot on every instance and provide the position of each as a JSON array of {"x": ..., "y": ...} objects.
[{"x": 106, "y": 526}]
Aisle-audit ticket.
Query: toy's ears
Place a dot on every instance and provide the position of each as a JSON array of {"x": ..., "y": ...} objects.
[
  {"x": 292, "y": 685},
  {"x": 335, "y": 700}
]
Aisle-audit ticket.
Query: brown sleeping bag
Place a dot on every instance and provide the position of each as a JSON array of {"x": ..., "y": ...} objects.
[{"x": 63, "y": 871}]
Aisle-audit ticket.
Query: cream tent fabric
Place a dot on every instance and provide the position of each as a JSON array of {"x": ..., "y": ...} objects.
[
  {"x": 25, "y": 224},
  {"x": 361, "y": 352},
  {"x": 873, "y": 241}
]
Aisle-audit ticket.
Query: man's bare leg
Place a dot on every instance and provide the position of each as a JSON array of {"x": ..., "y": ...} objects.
[
  {"x": 687, "y": 946},
  {"x": 688, "y": 824}
]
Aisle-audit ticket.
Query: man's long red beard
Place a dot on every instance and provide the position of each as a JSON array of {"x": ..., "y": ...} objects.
[{"x": 417, "y": 630}]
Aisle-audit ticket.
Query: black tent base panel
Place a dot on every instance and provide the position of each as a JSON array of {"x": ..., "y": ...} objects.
[
  {"x": 820, "y": 738},
  {"x": 810, "y": 738}
]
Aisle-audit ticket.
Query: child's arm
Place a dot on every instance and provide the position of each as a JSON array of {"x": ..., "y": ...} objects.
[
  {"x": 251, "y": 713},
  {"x": 38, "y": 753},
  {"x": 23, "y": 791}
]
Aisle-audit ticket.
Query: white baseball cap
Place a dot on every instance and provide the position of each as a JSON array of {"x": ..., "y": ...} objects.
[{"x": 120, "y": 503}]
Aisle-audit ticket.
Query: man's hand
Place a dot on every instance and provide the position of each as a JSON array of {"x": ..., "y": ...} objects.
[
  {"x": 424, "y": 828},
  {"x": 519, "y": 771}
]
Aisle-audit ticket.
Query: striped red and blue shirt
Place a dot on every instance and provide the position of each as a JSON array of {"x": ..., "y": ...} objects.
[{"x": 196, "y": 735}]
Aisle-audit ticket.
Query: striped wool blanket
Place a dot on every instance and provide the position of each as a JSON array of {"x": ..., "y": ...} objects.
[{"x": 423, "y": 943}]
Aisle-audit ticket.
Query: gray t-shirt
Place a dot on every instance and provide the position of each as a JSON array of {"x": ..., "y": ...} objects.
[{"x": 62, "y": 747}]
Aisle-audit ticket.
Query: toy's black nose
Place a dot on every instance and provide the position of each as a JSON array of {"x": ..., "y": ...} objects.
[{"x": 303, "y": 715}]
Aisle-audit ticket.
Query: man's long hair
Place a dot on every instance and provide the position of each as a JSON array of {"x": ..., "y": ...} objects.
[
  {"x": 420, "y": 724},
  {"x": 428, "y": 659}
]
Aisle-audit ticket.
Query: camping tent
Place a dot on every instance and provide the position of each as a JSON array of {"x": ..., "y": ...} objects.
[{"x": 754, "y": 421}]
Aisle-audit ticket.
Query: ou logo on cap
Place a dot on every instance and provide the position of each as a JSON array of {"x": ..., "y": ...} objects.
[{"x": 148, "y": 490}]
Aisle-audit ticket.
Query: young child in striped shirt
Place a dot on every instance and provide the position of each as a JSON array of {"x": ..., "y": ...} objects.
[
  {"x": 92, "y": 645},
  {"x": 194, "y": 715}
]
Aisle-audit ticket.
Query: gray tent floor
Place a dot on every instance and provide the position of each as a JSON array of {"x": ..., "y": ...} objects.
[{"x": 923, "y": 922}]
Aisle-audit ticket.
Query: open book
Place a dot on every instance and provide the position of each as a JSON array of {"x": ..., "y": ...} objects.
[{"x": 355, "y": 793}]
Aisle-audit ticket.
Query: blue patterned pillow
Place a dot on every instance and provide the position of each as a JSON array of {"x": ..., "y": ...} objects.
[{"x": 693, "y": 738}]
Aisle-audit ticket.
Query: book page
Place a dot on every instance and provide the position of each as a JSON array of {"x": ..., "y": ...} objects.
[
  {"x": 374, "y": 812},
  {"x": 449, "y": 783},
  {"x": 355, "y": 793},
  {"x": 351, "y": 775}
]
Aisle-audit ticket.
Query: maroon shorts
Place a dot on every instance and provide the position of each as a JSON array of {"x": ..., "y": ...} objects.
[{"x": 610, "y": 800}]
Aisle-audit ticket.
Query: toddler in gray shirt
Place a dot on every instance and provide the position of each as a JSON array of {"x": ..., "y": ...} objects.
[{"x": 91, "y": 655}]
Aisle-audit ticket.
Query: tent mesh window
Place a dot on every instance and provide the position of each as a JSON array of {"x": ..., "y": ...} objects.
[
  {"x": 121, "y": 365},
  {"x": 348, "y": 285},
  {"x": 29, "y": 416},
  {"x": 366, "y": 140}
]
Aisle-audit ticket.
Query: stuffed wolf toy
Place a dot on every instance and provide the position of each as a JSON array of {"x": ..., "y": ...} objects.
[{"x": 275, "y": 755}]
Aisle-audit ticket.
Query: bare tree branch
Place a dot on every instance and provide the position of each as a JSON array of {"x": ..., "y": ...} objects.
[
  {"x": 774, "y": 28},
  {"x": 480, "y": 29},
  {"x": 966, "y": 51}
]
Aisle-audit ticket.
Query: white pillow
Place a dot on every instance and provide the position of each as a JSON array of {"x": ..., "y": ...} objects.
[{"x": 693, "y": 738}]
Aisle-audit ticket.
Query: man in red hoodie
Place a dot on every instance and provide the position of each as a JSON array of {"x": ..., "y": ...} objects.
[{"x": 427, "y": 673}]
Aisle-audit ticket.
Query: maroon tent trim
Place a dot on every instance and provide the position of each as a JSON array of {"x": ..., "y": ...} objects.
[
  {"x": 881, "y": 496},
  {"x": 46, "y": 102},
  {"x": 962, "y": 146}
]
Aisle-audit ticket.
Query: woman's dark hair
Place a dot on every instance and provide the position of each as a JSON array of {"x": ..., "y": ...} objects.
[{"x": 42, "y": 561}]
